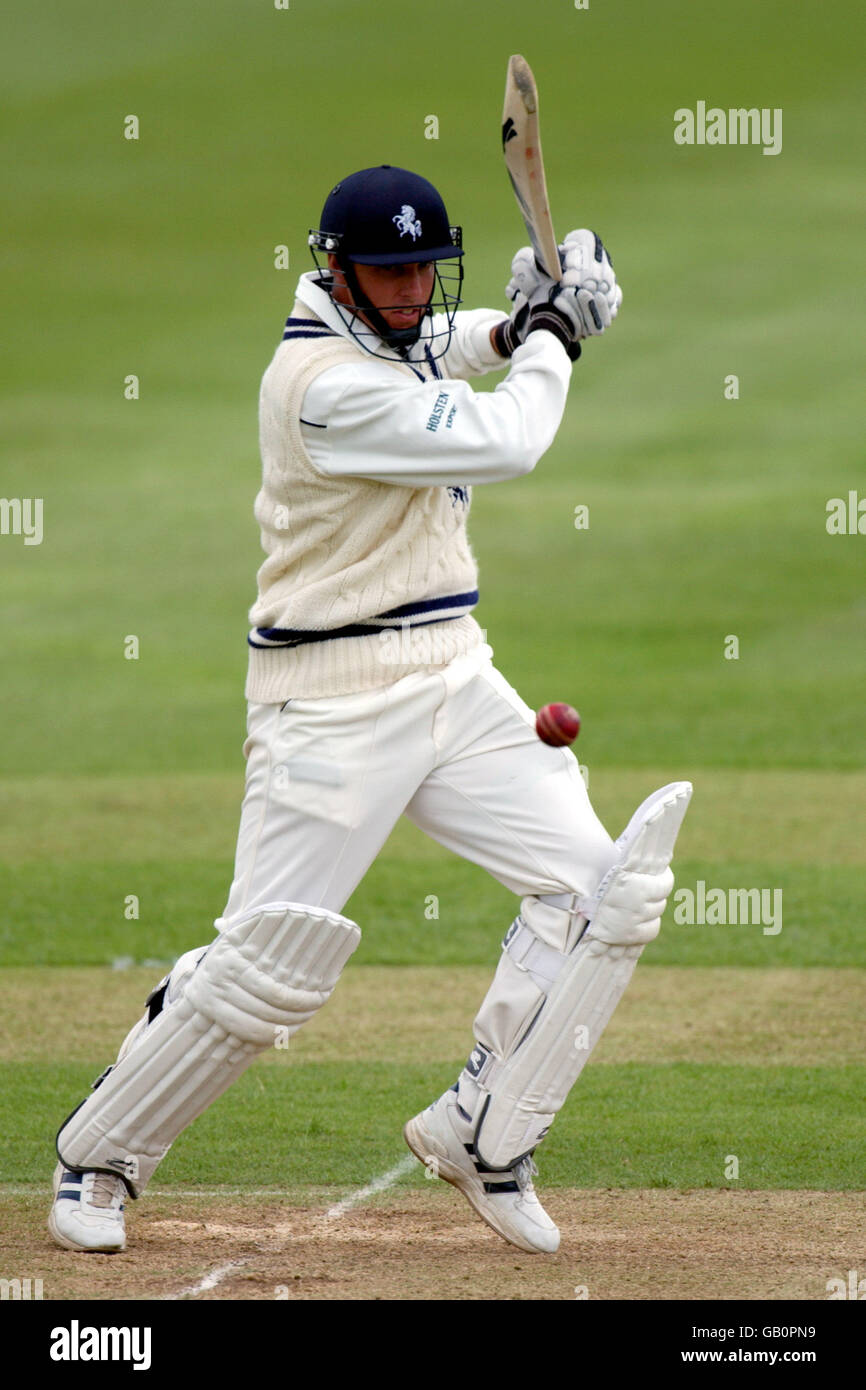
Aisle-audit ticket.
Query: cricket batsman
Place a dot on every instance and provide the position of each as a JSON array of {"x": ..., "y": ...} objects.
[{"x": 371, "y": 694}]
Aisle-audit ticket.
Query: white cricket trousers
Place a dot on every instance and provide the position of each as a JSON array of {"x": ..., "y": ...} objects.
[{"x": 455, "y": 750}]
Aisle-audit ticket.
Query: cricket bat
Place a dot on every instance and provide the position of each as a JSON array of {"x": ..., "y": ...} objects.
[{"x": 521, "y": 145}]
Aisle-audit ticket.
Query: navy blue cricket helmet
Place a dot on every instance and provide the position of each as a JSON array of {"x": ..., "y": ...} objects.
[{"x": 390, "y": 216}]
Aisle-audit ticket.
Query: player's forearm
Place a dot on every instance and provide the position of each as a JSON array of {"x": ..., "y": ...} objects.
[
  {"x": 472, "y": 351},
  {"x": 438, "y": 432},
  {"x": 537, "y": 383}
]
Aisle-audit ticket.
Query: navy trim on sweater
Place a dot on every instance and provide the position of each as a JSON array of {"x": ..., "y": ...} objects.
[
  {"x": 289, "y": 337},
  {"x": 306, "y": 328},
  {"x": 427, "y": 605},
  {"x": 296, "y": 637}
]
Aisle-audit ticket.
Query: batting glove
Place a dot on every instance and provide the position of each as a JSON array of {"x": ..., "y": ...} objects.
[
  {"x": 531, "y": 289},
  {"x": 527, "y": 277},
  {"x": 589, "y": 295},
  {"x": 528, "y": 286},
  {"x": 510, "y": 333},
  {"x": 582, "y": 304}
]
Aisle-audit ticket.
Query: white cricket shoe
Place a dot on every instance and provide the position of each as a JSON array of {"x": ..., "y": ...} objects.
[
  {"x": 88, "y": 1211},
  {"x": 442, "y": 1139}
]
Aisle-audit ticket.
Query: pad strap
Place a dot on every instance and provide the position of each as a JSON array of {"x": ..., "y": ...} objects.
[{"x": 540, "y": 961}]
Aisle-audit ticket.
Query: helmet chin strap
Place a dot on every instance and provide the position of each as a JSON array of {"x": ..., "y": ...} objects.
[{"x": 401, "y": 339}]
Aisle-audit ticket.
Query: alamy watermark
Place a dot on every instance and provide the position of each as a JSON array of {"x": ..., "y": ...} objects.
[
  {"x": 20, "y": 1290},
  {"x": 737, "y": 126},
  {"x": 731, "y": 907},
  {"x": 77, "y": 1343},
  {"x": 846, "y": 516},
  {"x": 854, "y": 1288},
  {"x": 424, "y": 644},
  {"x": 22, "y": 516}
]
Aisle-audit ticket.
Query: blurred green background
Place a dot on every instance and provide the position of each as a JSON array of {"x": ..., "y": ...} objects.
[{"x": 156, "y": 257}]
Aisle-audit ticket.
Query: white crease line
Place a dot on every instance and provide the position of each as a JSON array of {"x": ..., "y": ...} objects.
[
  {"x": 210, "y": 1281},
  {"x": 380, "y": 1184},
  {"x": 377, "y": 1185},
  {"x": 221, "y": 1192}
]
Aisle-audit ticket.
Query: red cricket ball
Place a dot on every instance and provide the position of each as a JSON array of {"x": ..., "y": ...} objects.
[{"x": 557, "y": 724}]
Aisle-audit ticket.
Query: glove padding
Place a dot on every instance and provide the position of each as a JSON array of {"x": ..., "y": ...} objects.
[
  {"x": 580, "y": 305},
  {"x": 528, "y": 278},
  {"x": 589, "y": 295}
]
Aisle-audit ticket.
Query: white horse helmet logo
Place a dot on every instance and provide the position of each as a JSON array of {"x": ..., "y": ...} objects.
[{"x": 407, "y": 222}]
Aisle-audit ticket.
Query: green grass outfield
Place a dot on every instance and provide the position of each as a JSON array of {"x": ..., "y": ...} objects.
[{"x": 707, "y": 520}]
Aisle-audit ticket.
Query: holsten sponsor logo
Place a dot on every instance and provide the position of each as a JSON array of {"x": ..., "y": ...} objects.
[
  {"x": 731, "y": 907},
  {"x": 76, "y": 1343},
  {"x": 438, "y": 410},
  {"x": 738, "y": 126}
]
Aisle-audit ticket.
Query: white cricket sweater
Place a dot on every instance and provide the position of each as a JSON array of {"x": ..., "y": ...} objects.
[{"x": 367, "y": 463}]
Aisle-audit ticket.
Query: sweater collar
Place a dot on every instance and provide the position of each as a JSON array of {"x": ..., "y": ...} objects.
[{"x": 322, "y": 305}]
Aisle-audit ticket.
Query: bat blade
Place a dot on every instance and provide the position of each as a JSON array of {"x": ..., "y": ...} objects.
[{"x": 521, "y": 145}]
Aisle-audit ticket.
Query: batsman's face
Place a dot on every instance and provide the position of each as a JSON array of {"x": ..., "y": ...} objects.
[{"x": 399, "y": 292}]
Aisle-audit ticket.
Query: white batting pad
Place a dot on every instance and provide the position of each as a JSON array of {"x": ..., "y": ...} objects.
[
  {"x": 546, "y": 1009},
  {"x": 272, "y": 969}
]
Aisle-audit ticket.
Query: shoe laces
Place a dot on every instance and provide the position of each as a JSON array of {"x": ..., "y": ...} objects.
[
  {"x": 524, "y": 1172},
  {"x": 105, "y": 1190}
]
